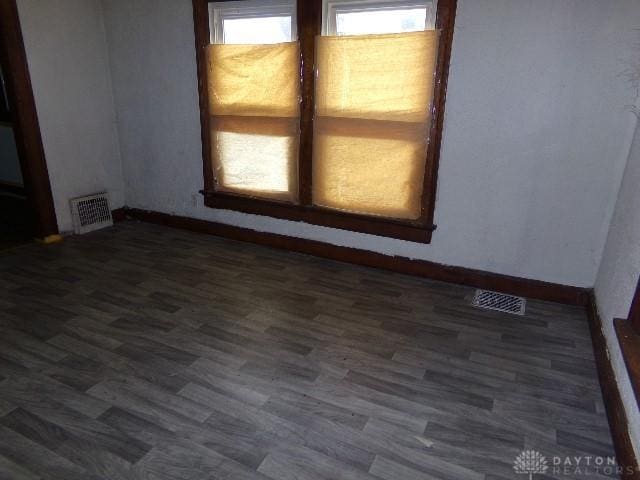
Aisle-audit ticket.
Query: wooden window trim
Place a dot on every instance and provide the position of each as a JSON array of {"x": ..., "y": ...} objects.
[{"x": 309, "y": 25}]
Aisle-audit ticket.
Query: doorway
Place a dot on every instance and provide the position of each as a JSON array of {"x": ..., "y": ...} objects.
[
  {"x": 26, "y": 203},
  {"x": 16, "y": 215}
]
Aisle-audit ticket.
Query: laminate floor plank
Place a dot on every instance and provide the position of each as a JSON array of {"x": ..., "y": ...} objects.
[
  {"x": 143, "y": 352},
  {"x": 12, "y": 471}
]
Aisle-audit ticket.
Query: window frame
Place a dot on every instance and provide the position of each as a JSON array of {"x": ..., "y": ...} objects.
[{"x": 309, "y": 24}]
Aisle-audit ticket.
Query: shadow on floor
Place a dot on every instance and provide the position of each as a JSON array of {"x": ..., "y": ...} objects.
[{"x": 15, "y": 221}]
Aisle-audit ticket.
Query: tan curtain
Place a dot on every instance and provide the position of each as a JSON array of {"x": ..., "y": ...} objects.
[
  {"x": 373, "y": 98},
  {"x": 254, "y": 103}
]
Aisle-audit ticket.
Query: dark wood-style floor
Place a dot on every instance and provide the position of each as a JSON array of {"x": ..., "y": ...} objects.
[{"x": 142, "y": 352}]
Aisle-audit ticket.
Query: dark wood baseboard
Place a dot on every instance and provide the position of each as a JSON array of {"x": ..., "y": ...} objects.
[
  {"x": 629, "y": 341},
  {"x": 119, "y": 215},
  {"x": 618, "y": 422},
  {"x": 463, "y": 276}
]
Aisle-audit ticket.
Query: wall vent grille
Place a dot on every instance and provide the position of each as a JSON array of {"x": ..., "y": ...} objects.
[
  {"x": 500, "y": 302},
  {"x": 90, "y": 213}
]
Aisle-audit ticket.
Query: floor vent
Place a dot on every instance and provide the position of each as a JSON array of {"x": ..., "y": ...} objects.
[
  {"x": 499, "y": 302},
  {"x": 90, "y": 213}
]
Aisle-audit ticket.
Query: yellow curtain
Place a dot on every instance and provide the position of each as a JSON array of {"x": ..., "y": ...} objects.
[
  {"x": 254, "y": 103},
  {"x": 373, "y": 98}
]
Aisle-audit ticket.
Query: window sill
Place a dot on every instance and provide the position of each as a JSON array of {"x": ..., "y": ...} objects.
[
  {"x": 410, "y": 231},
  {"x": 629, "y": 341}
]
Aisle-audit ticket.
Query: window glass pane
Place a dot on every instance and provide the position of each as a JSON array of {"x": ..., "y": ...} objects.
[
  {"x": 380, "y": 21},
  {"x": 370, "y": 17},
  {"x": 368, "y": 174},
  {"x": 258, "y": 164},
  {"x": 260, "y": 30},
  {"x": 253, "y": 22}
]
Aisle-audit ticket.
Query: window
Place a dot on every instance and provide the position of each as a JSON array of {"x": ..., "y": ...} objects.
[{"x": 327, "y": 112}]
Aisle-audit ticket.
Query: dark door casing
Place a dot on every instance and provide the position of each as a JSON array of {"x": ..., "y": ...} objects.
[{"x": 21, "y": 107}]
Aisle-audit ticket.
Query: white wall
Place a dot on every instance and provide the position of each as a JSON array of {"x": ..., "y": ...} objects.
[
  {"x": 9, "y": 162},
  {"x": 618, "y": 276},
  {"x": 67, "y": 55},
  {"x": 531, "y": 159}
]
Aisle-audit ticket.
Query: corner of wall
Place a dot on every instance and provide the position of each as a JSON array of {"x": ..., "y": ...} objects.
[
  {"x": 618, "y": 271},
  {"x": 625, "y": 154},
  {"x": 121, "y": 200}
]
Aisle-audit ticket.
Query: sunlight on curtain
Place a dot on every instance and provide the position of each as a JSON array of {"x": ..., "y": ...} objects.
[
  {"x": 254, "y": 103},
  {"x": 373, "y": 98}
]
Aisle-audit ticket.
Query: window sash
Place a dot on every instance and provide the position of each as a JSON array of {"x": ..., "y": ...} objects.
[{"x": 309, "y": 23}]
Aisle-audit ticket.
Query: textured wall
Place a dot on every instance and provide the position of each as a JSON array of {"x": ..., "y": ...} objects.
[
  {"x": 531, "y": 160},
  {"x": 619, "y": 273},
  {"x": 68, "y": 62},
  {"x": 9, "y": 161}
]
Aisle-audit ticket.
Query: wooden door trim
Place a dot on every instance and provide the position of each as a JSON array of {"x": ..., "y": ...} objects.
[{"x": 25, "y": 121}]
